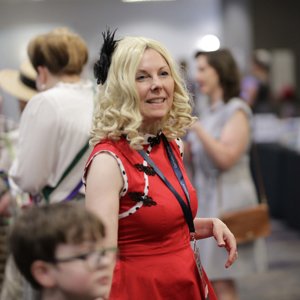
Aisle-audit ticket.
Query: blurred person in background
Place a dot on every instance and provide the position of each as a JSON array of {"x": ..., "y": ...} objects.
[
  {"x": 255, "y": 87},
  {"x": 21, "y": 85},
  {"x": 55, "y": 125},
  {"x": 189, "y": 81},
  {"x": 219, "y": 145},
  {"x": 54, "y": 128}
]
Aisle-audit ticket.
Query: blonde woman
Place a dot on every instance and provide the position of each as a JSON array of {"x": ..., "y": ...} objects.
[{"x": 143, "y": 109}]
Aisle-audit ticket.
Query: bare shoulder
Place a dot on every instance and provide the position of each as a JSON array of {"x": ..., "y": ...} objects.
[
  {"x": 239, "y": 116},
  {"x": 237, "y": 131},
  {"x": 105, "y": 170}
]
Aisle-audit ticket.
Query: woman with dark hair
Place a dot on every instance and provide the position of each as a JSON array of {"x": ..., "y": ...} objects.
[
  {"x": 219, "y": 144},
  {"x": 256, "y": 88}
]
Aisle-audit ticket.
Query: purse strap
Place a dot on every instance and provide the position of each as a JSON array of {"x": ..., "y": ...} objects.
[
  {"x": 48, "y": 190},
  {"x": 186, "y": 208}
]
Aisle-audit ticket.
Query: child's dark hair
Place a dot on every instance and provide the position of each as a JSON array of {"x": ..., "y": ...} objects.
[{"x": 36, "y": 234}]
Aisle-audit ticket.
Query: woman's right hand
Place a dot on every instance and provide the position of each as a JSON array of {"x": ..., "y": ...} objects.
[
  {"x": 208, "y": 227},
  {"x": 226, "y": 239}
]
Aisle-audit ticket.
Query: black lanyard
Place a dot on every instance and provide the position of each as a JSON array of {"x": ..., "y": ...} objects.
[{"x": 186, "y": 208}]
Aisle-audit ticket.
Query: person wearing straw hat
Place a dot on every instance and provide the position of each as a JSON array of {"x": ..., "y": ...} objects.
[
  {"x": 21, "y": 85},
  {"x": 55, "y": 125}
]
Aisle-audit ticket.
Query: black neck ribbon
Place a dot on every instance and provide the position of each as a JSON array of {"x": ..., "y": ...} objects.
[{"x": 186, "y": 207}]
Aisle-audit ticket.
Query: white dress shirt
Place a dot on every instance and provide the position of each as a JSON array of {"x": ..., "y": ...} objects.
[{"x": 54, "y": 126}]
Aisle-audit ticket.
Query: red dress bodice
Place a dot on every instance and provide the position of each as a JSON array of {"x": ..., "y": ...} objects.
[{"x": 156, "y": 259}]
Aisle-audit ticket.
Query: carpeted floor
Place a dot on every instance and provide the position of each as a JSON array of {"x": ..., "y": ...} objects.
[{"x": 282, "y": 280}]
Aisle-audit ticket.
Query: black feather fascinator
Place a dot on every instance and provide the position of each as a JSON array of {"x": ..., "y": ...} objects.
[{"x": 101, "y": 67}]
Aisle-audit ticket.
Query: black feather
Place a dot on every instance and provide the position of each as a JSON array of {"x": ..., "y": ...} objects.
[{"x": 101, "y": 67}]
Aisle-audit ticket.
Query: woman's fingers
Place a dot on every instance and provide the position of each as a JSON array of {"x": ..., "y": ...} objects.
[{"x": 226, "y": 239}]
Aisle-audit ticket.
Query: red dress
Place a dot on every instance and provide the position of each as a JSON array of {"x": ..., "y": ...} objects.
[{"x": 156, "y": 259}]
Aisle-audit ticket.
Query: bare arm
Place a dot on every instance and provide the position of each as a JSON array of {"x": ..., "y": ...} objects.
[
  {"x": 234, "y": 139},
  {"x": 103, "y": 184},
  {"x": 208, "y": 227}
]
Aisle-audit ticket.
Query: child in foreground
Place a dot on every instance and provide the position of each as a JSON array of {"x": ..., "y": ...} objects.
[{"x": 60, "y": 250}]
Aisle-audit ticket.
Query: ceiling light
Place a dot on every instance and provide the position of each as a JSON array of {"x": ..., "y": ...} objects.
[{"x": 209, "y": 42}]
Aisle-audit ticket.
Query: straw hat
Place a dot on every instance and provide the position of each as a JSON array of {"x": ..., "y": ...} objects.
[{"x": 19, "y": 83}]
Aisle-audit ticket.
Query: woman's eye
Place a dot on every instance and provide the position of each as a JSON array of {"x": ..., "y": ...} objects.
[
  {"x": 141, "y": 77},
  {"x": 164, "y": 73}
]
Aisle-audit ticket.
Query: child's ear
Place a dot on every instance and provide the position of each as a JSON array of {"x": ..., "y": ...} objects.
[{"x": 43, "y": 273}]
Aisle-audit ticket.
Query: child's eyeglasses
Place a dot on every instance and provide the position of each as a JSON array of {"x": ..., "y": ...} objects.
[{"x": 92, "y": 258}]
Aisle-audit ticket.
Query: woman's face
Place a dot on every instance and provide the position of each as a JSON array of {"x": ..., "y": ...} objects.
[
  {"x": 155, "y": 86},
  {"x": 206, "y": 76}
]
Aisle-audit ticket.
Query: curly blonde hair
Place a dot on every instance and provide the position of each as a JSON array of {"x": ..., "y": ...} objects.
[{"x": 117, "y": 109}]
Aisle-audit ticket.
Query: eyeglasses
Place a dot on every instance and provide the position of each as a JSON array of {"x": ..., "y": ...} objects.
[{"x": 92, "y": 258}]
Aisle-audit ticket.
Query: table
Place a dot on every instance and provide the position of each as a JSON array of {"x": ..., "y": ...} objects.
[{"x": 280, "y": 171}]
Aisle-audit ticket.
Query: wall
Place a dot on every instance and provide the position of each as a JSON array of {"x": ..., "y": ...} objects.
[
  {"x": 276, "y": 26},
  {"x": 178, "y": 24},
  {"x": 237, "y": 30}
]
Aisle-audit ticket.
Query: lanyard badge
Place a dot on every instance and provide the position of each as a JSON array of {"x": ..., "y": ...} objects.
[{"x": 186, "y": 208}]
